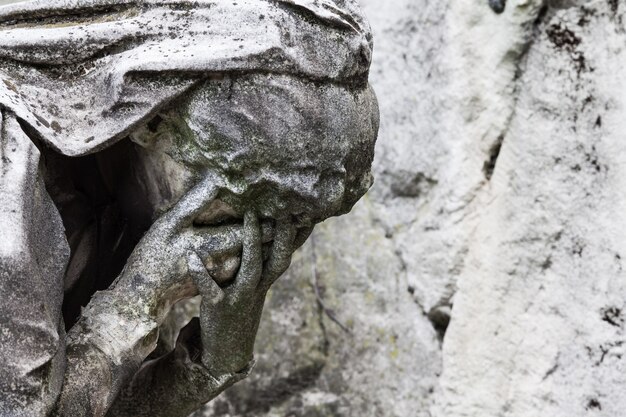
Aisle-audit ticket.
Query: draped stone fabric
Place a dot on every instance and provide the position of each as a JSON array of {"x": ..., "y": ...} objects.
[
  {"x": 85, "y": 73},
  {"x": 33, "y": 255}
]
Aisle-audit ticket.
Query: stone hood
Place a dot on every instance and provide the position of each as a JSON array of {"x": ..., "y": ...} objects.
[{"x": 81, "y": 74}]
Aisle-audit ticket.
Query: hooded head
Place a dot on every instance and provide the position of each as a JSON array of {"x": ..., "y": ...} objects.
[
  {"x": 279, "y": 145},
  {"x": 268, "y": 96},
  {"x": 83, "y": 74}
]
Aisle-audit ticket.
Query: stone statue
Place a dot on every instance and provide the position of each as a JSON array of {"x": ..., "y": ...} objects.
[{"x": 153, "y": 151}]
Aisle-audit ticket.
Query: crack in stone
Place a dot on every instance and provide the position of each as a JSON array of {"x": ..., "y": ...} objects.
[{"x": 320, "y": 300}]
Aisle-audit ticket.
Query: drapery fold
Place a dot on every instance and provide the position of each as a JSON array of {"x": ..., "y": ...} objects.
[
  {"x": 33, "y": 256},
  {"x": 83, "y": 74}
]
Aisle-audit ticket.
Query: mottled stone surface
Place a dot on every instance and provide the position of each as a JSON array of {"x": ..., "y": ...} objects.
[
  {"x": 347, "y": 332},
  {"x": 538, "y": 319},
  {"x": 33, "y": 254},
  {"x": 84, "y": 78}
]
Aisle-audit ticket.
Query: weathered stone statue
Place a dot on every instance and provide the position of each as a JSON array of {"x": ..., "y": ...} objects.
[{"x": 155, "y": 150}]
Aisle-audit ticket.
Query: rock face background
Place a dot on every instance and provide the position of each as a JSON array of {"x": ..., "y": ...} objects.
[{"x": 483, "y": 274}]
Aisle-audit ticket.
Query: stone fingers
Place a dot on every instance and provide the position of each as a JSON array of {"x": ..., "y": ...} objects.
[
  {"x": 207, "y": 287},
  {"x": 251, "y": 268},
  {"x": 189, "y": 206},
  {"x": 214, "y": 241},
  {"x": 222, "y": 240},
  {"x": 280, "y": 254}
]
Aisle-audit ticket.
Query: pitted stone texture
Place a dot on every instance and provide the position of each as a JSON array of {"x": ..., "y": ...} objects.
[
  {"x": 84, "y": 77},
  {"x": 538, "y": 325},
  {"x": 33, "y": 257},
  {"x": 333, "y": 355},
  {"x": 499, "y": 167},
  {"x": 293, "y": 143}
]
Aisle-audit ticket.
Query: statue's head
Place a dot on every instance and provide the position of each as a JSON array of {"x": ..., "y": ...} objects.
[
  {"x": 279, "y": 145},
  {"x": 288, "y": 131}
]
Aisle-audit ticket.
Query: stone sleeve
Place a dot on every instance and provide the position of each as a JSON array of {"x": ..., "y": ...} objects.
[
  {"x": 33, "y": 256},
  {"x": 175, "y": 384}
]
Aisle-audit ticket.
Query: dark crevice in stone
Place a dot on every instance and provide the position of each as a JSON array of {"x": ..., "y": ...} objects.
[
  {"x": 440, "y": 319},
  {"x": 497, "y": 6},
  {"x": 541, "y": 16},
  {"x": 490, "y": 164},
  {"x": 76, "y": 16},
  {"x": 105, "y": 211},
  {"x": 593, "y": 404},
  {"x": 613, "y": 316},
  {"x": 153, "y": 125},
  {"x": 598, "y": 123},
  {"x": 322, "y": 307},
  {"x": 551, "y": 371}
]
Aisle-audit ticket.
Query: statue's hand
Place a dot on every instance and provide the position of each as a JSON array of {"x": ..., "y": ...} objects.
[
  {"x": 159, "y": 259},
  {"x": 223, "y": 338},
  {"x": 229, "y": 316},
  {"x": 158, "y": 269}
]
